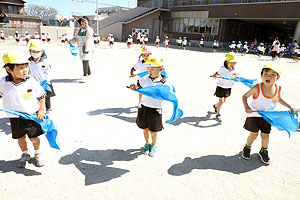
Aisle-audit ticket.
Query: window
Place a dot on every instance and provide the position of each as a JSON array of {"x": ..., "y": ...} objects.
[
  {"x": 197, "y": 25},
  {"x": 215, "y": 26},
  {"x": 202, "y": 25},
  {"x": 191, "y": 25},
  {"x": 180, "y": 25},
  {"x": 198, "y": 2},
  {"x": 182, "y": 2},
  {"x": 185, "y": 24},
  {"x": 208, "y": 26}
]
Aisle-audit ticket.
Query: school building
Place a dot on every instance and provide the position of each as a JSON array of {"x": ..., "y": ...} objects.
[{"x": 223, "y": 20}]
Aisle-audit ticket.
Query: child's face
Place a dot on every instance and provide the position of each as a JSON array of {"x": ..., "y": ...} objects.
[
  {"x": 154, "y": 71},
  {"x": 83, "y": 24},
  {"x": 231, "y": 64},
  {"x": 20, "y": 71},
  {"x": 145, "y": 56},
  {"x": 269, "y": 77}
]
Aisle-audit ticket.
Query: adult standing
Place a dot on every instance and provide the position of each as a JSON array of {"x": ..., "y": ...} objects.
[
  {"x": 84, "y": 39},
  {"x": 275, "y": 48}
]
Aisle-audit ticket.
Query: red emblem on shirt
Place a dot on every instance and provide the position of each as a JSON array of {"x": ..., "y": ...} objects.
[
  {"x": 43, "y": 66},
  {"x": 29, "y": 90}
]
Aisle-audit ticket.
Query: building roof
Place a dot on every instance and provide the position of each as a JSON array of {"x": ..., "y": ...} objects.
[
  {"x": 16, "y": 16},
  {"x": 14, "y": 2}
]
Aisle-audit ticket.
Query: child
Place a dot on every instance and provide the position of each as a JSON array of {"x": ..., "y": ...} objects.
[
  {"x": 215, "y": 45},
  {"x": 2, "y": 36},
  {"x": 36, "y": 36},
  {"x": 66, "y": 38},
  {"x": 111, "y": 41},
  {"x": 223, "y": 89},
  {"x": 233, "y": 46},
  {"x": 266, "y": 95},
  {"x": 142, "y": 41},
  {"x": 96, "y": 39},
  {"x": 157, "y": 41},
  {"x": 282, "y": 50},
  {"x": 201, "y": 44},
  {"x": 245, "y": 48},
  {"x": 275, "y": 48},
  {"x": 23, "y": 94},
  {"x": 40, "y": 69},
  {"x": 296, "y": 54},
  {"x": 48, "y": 37},
  {"x": 43, "y": 37},
  {"x": 179, "y": 42},
  {"x": 239, "y": 46},
  {"x": 146, "y": 39},
  {"x": 27, "y": 37},
  {"x": 184, "y": 43},
  {"x": 260, "y": 49},
  {"x": 167, "y": 42},
  {"x": 129, "y": 41},
  {"x": 140, "y": 66},
  {"x": 149, "y": 116},
  {"x": 17, "y": 37}
]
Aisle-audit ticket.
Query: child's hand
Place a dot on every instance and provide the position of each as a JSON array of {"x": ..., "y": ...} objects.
[
  {"x": 41, "y": 115},
  {"x": 132, "y": 87},
  {"x": 249, "y": 110},
  {"x": 214, "y": 76},
  {"x": 132, "y": 75},
  {"x": 295, "y": 110}
]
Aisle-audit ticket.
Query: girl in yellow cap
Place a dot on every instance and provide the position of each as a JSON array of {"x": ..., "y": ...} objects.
[
  {"x": 223, "y": 89},
  {"x": 265, "y": 95},
  {"x": 21, "y": 93}
]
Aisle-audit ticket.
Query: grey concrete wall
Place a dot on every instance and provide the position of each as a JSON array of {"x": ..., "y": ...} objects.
[
  {"x": 115, "y": 29},
  {"x": 56, "y": 31},
  {"x": 147, "y": 22},
  {"x": 297, "y": 32}
]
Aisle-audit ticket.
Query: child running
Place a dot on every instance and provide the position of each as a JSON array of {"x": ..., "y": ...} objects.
[
  {"x": 201, "y": 44},
  {"x": 17, "y": 37},
  {"x": 223, "y": 89},
  {"x": 184, "y": 43},
  {"x": 140, "y": 66},
  {"x": 265, "y": 95},
  {"x": 40, "y": 69},
  {"x": 260, "y": 49},
  {"x": 129, "y": 41},
  {"x": 179, "y": 42},
  {"x": 22, "y": 93},
  {"x": 149, "y": 116},
  {"x": 166, "y": 42},
  {"x": 157, "y": 40},
  {"x": 232, "y": 46}
]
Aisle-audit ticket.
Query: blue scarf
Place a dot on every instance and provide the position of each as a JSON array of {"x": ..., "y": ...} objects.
[
  {"x": 282, "y": 120},
  {"x": 74, "y": 50},
  {"x": 163, "y": 92},
  {"x": 45, "y": 86},
  {"x": 47, "y": 126},
  {"x": 247, "y": 82}
]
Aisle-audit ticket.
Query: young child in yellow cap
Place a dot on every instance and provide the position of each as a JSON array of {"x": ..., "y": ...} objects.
[
  {"x": 265, "y": 95},
  {"x": 223, "y": 89},
  {"x": 40, "y": 69},
  {"x": 150, "y": 114},
  {"x": 21, "y": 93},
  {"x": 140, "y": 65}
]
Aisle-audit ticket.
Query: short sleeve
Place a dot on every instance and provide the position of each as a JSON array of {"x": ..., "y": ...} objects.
[
  {"x": 141, "y": 82},
  {"x": 137, "y": 66},
  {"x": 221, "y": 70},
  {"x": 2, "y": 86},
  {"x": 39, "y": 90}
]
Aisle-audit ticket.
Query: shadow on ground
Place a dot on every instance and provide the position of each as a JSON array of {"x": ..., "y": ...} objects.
[
  {"x": 75, "y": 80},
  {"x": 4, "y": 127},
  {"x": 93, "y": 164},
  {"x": 11, "y": 166},
  {"x": 234, "y": 164},
  {"x": 196, "y": 121},
  {"x": 116, "y": 113}
]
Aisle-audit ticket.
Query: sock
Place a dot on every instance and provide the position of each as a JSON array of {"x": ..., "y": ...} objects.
[
  {"x": 26, "y": 151},
  {"x": 249, "y": 147},
  {"x": 264, "y": 149},
  {"x": 36, "y": 151}
]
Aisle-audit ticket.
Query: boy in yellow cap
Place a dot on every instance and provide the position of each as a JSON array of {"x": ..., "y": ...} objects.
[
  {"x": 22, "y": 93},
  {"x": 265, "y": 95},
  {"x": 223, "y": 89},
  {"x": 150, "y": 113},
  {"x": 40, "y": 69}
]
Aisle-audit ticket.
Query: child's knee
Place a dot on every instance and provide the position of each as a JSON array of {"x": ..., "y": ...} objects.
[
  {"x": 22, "y": 138},
  {"x": 34, "y": 140},
  {"x": 265, "y": 136},
  {"x": 254, "y": 134}
]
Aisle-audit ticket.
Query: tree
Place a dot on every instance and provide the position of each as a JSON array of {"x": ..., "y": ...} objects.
[{"x": 40, "y": 11}]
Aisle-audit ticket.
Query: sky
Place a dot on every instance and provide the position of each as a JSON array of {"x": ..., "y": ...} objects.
[{"x": 88, "y": 7}]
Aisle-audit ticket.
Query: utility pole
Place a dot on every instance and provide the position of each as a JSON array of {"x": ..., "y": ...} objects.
[{"x": 97, "y": 16}]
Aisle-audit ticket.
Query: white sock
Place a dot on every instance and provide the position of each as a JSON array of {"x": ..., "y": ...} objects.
[
  {"x": 26, "y": 151},
  {"x": 37, "y": 151}
]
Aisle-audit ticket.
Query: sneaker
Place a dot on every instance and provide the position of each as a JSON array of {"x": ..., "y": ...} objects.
[
  {"x": 36, "y": 160},
  {"x": 24, "y": 158},
  {"x": 264, "y": 157},
  {"x": 215, "y": 107},
  {"x": 153, "y": 150},
  {"x": 48, "y": 111},
  {"x": 218, "y": 118},
  {"x": 146, "y": 149},
  {"x": 246, "y": 153}
]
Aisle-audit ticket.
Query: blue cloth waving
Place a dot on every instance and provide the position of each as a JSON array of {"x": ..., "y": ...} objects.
[
  {"x": 74, "y": 50},
  {"x": 248, "y": 82}
]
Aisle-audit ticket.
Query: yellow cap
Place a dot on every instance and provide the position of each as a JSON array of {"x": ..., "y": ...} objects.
[
  {"x": 145, "y": 50},
  {"x": 230, "y": 57},
  {"x": 273, "y": 67},
  {"x": 152, "y": 61},
  {"x": 14, "y": 57},
  {"x": 36, "y": 45}
]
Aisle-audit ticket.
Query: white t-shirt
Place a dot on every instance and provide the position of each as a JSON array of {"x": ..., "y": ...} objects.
[
  {"x": 41, "y": 70},
  {"x": 166, "y": 42},
  {"x": 129, "y": 40},
  {"x": 146, "y": 39},
  {"x": 282, "y": 49},
  {"x": 48, "y": 36},
  {"x": 184, "y": 42},
  {"x": 157, "y": 40},
  {"x": 146, "y": 81},
  {"x": 239, "y": 46},
  {"x": 223, "y": 72},
  {"x": 37, "y": 36},
  {"x": 27, "y": 36},
  {"x": 297, "y": 51},
  {"x": 23, "y": 97},
  {"x": 179, "y": 41},
  {"x": 140, "y": 66},
  {"x": 201, "y": 42},
  {"x": 260, "y": 48},
  {"x": 112, "y": 39},
  {"x": 43, "y": 37}
]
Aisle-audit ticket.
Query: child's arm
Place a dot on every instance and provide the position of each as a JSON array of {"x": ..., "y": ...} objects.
[
  {"x": 284, "y": 103},
  {"x": 131, "y": 72},
  {"x": 215, "y": 75},
  {"x": 252, "y": 92},
  {"x": 134, "y": 86},
  {"x": 41, "y": 111}
]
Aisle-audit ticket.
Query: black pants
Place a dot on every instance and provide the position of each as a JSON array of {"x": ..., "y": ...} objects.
[
  {"x": 273, "y": 54},
  {"x": 86, "y": 68}
]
